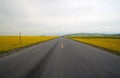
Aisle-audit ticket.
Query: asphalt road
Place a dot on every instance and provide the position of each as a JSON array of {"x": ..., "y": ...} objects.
[{"x": 60, "y": 58}]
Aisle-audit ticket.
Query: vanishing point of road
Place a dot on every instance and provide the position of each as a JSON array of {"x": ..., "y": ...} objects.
[{"x": 60, "y": 58}]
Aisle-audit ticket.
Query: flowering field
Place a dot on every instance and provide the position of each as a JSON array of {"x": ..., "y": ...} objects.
[
  {"x": 111, "y": 44},
  {"x": 8, "y": 43}
]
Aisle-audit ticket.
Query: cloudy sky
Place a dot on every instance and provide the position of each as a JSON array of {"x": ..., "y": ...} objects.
[{"x": 59, "y": 16}]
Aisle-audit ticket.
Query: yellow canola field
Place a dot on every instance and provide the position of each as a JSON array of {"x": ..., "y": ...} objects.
[
  {"x": 8, "y": 43},
  {"x": 111, "y": 44}
]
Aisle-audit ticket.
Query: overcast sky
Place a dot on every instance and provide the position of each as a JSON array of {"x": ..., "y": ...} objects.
[{"x": 59, "y": 16}]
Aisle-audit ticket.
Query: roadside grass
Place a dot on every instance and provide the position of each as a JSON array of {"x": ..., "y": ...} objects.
[
  {"x": 9, "y": 43},
  {"x": 112, "y": 44}
]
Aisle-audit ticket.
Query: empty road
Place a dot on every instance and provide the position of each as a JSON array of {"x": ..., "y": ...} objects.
[{"x": 60, "y": 58}]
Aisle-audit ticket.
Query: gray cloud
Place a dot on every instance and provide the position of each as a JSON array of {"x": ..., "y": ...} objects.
[{"x": 59, "y": 16}]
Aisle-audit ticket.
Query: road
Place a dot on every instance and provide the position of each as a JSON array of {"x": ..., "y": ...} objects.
[{"x": 60, "y": 58}]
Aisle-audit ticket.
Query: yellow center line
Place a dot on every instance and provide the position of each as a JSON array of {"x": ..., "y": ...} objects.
[{"x": 62, "y": 45}]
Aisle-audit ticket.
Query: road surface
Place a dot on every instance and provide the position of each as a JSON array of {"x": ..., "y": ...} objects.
[{"x": 60, "y": 58}]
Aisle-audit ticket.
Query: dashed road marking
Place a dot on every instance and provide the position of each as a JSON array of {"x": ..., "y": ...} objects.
[{"x": 62, "y": 45}]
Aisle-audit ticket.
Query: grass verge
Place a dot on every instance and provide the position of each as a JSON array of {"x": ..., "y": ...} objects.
[
  {"x": 110, "y": 44},
  {"x": 10, "y": 44}
]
